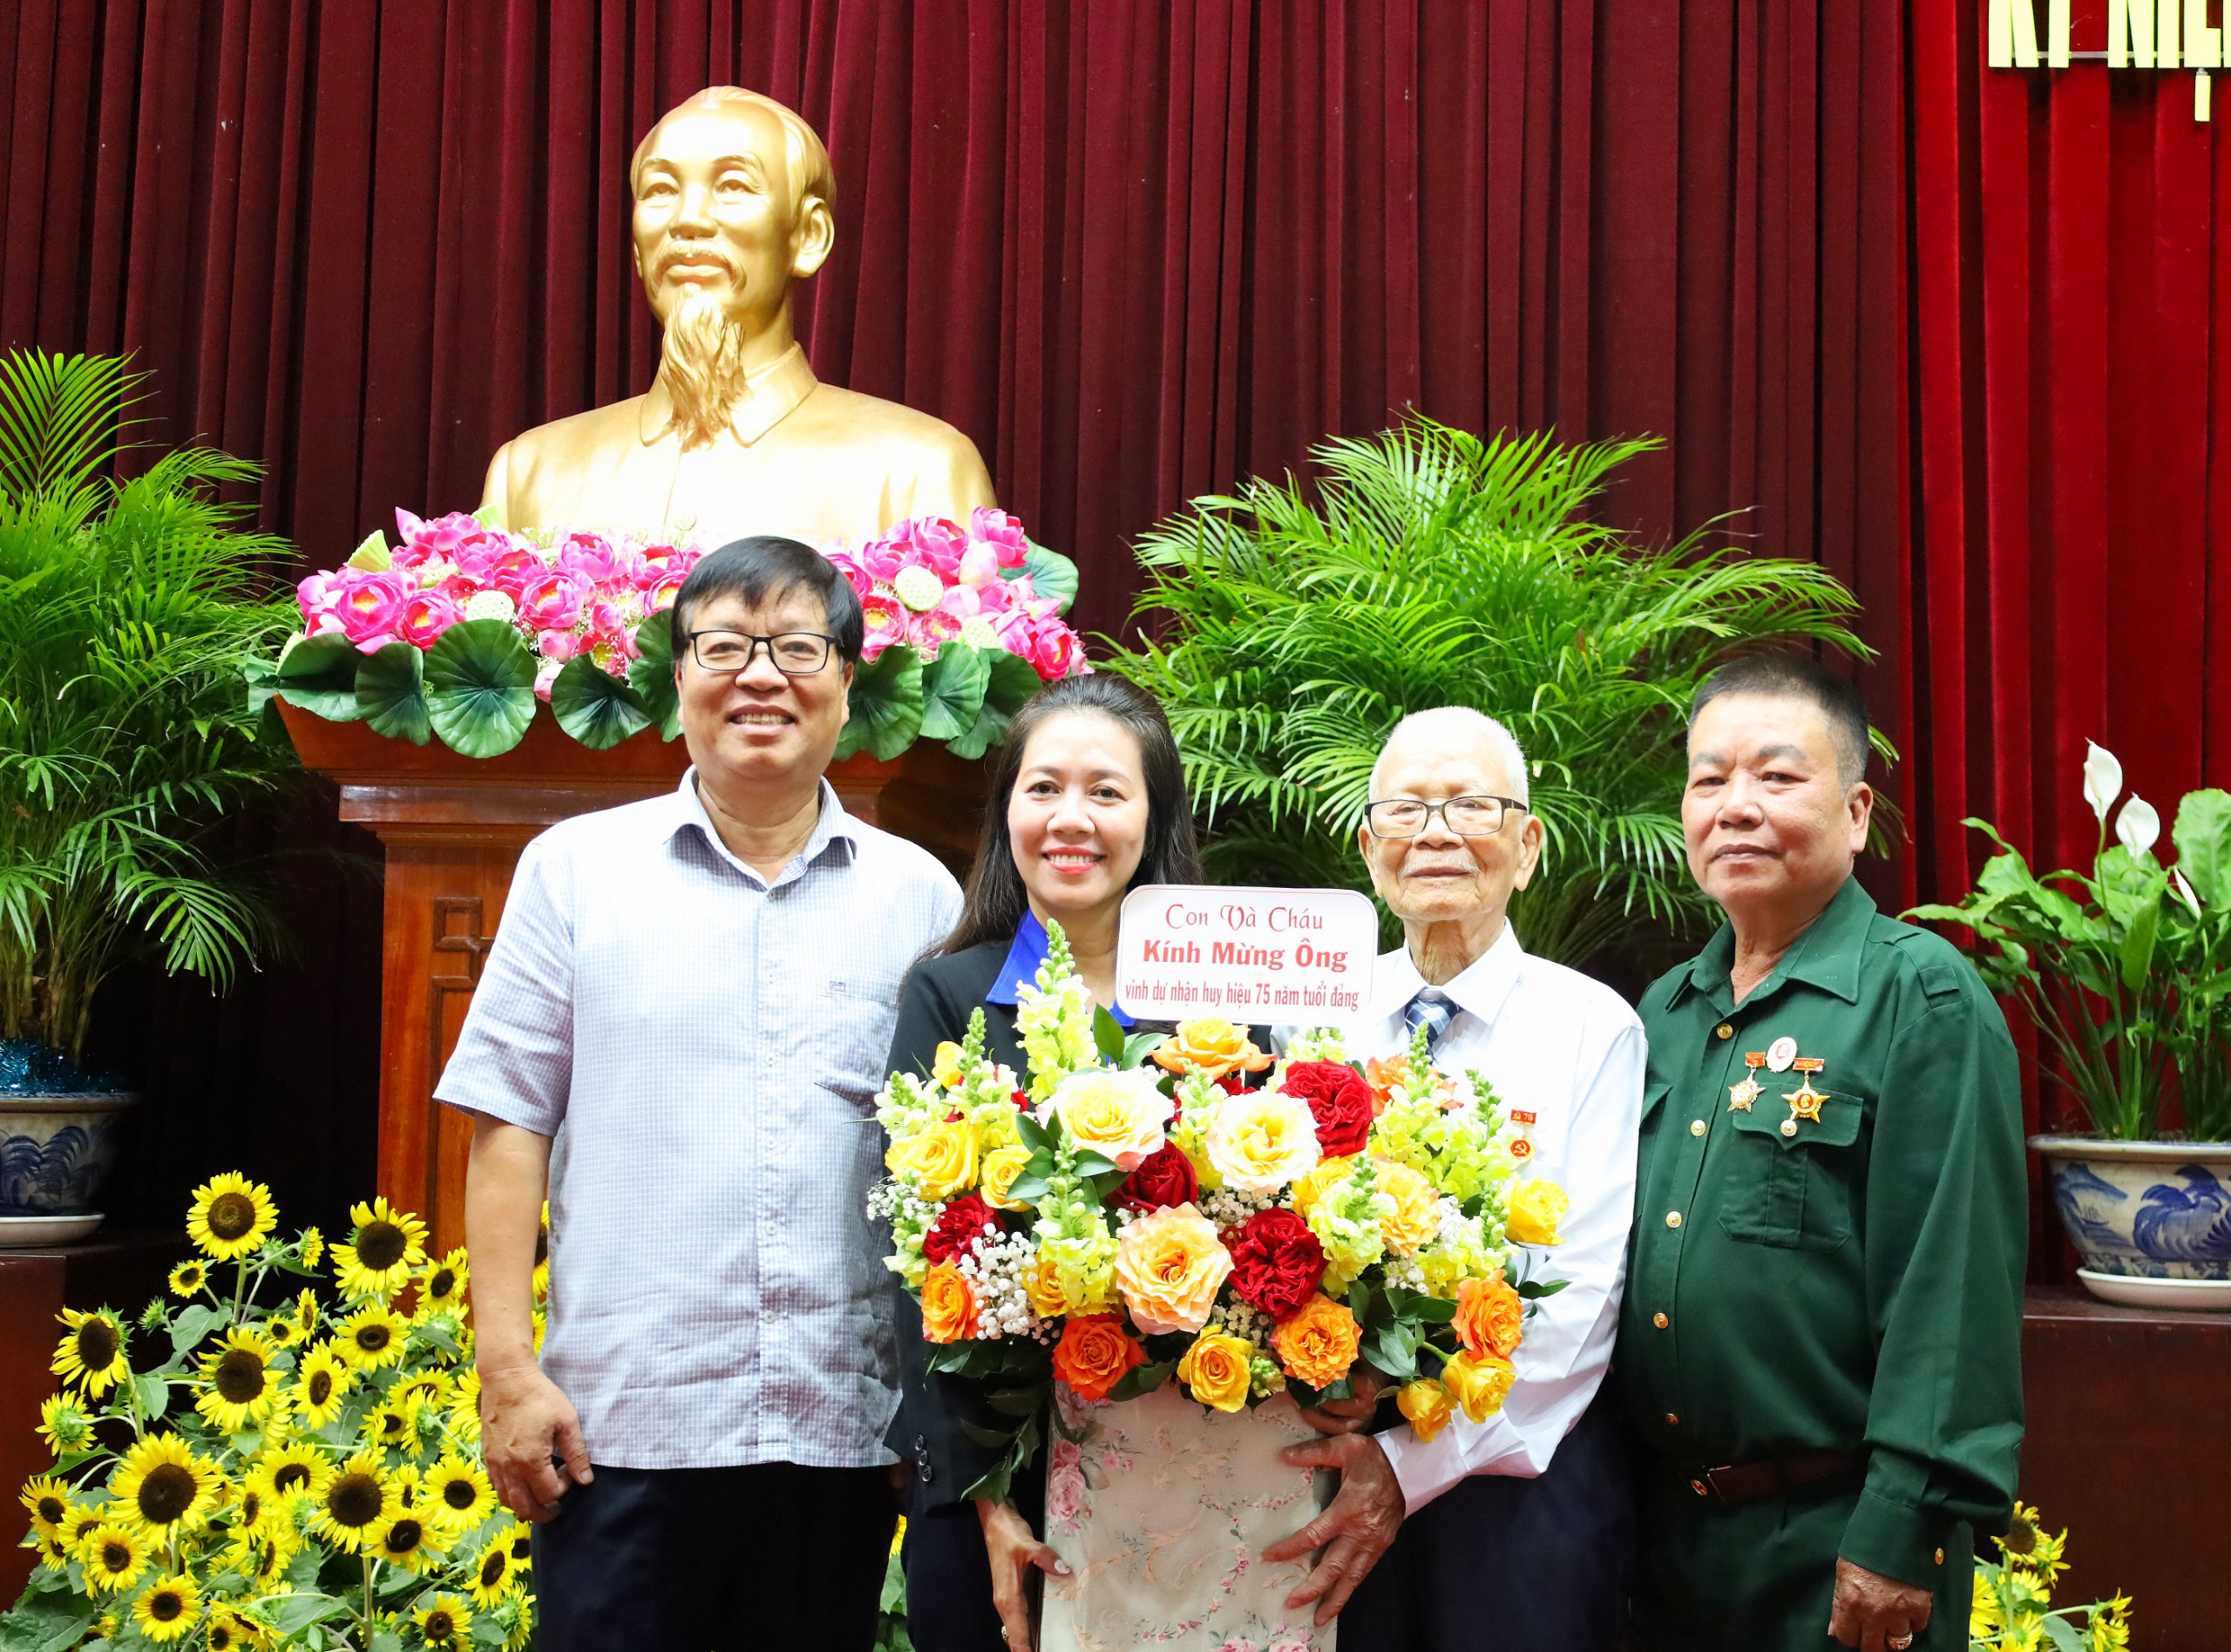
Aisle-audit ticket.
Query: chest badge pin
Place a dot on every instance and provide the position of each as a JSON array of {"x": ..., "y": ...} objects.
[
  {"x": 1742, "y": 1093},
  {"x": 1521, "y": 1145},
  {"x": 1805, "y": 1101},
  {"x": 1781, "y": 1054}
]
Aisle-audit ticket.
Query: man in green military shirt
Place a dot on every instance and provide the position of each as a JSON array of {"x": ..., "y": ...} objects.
[{"x": 1819, "y": 1345}]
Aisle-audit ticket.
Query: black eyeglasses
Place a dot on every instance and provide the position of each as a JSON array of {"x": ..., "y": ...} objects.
[
  {"x": 1474, "y": 816},
  {"x": 796, "y": 653}
]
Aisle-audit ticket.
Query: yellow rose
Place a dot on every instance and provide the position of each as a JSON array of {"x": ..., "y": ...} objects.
[
  {"x": 1001, "y": 1166},
  {"x": 1117, "y": 1115},
  {"x": 1416, "y": 1216},
  {"x": 1211, "y": 1047},
  {"x": 945, "y": 1068},
  {"x": 1477, "y": 1382},
  {"x": 1425, "y": 1403},
  {"x": 1042, "y": 1285},
  {"x": 939, "y": 1159},
  {"x": 1319, "y": 1343},
  {"x": 1215, "y": 1370},
  {"x": 1309, "y": 1192},
  {"x": 1535, "y": 1207},
  {"x": 1261, "y": 1141},
  {"x": 1169, "y": 1267}
]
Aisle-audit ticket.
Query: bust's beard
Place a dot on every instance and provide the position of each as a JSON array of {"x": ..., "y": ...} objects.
[{"x": 701, "y": 366}]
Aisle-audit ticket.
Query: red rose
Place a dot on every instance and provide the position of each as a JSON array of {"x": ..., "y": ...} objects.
[
  {"x": 1340, "y": 1099},
  {"x": 957, "y": 1226},
  {"x": 1276, "y": 1261},
  {"x": 1164, "y": 1177}
]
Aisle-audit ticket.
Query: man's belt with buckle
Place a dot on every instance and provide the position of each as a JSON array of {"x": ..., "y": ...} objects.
[{"x": 1733, "y": 1483}]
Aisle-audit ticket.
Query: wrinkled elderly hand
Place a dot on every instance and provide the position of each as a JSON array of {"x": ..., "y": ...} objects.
[
  {"x": 1014, "y": 1549},
  {"x": 1348, "y": 1416},
  {"x": 526, "y": 1424},
  {"x": 1354, "y": 1530},
  {"x": 1874, "y": 1612}
]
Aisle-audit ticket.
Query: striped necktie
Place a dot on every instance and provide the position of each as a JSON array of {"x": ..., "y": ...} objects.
[{"x": 1432, "y": 1009}]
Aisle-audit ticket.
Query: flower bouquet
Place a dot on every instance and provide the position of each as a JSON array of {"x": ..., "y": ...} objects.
[
  {"x": 458, "y": 630},
  {"x": 1137, "y": 1210},
  {"x": 232, "y": 1471}
]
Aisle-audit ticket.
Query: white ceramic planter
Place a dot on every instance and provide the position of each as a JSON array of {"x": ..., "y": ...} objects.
[
  {"x": 55, "y": 1152},
  {"x": 2152, "y": 1219}
]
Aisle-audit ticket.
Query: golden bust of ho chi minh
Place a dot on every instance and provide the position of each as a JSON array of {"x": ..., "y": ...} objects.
[{"x": 737, "y": 436}]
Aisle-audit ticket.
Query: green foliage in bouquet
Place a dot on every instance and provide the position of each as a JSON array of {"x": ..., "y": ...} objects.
[
  {"x": 2124, "y": 970},
  {"x": 301, "y": 1473},
  {"x": 2013, "y": 1610},
  {"x": 131, "y": 612},
  {"x": 1427, "y": 568}
]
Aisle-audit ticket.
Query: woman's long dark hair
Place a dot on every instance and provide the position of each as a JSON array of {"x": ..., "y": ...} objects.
[{"x": 996, "y": 899}]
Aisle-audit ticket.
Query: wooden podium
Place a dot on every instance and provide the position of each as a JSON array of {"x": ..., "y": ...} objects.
[{"x": 453, "y": 828}]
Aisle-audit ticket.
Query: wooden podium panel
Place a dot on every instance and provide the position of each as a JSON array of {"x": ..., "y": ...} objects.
[{"x": 453, "y": 828}]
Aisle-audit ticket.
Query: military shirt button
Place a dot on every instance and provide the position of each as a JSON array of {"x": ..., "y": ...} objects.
[
  {"x": 1695, "y": 1126},
  {"x": 1672, "y": 1218},
  {"x": 1789, "y": 1127},
  {"x": 1940, "y": 1557},
  {"x": 1660, "y": 1321},
  {"x": 1723, "y": 1031}
]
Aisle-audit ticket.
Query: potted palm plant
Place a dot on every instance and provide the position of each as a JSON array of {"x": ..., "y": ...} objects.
[
  {"x": 2125, "y": 971},
  {"x": 131, "y": 610},
  {"x": 1429, "y": 568}
]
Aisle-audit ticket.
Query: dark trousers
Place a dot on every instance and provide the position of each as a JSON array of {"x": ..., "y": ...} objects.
[
  {"x": 1500, "y": 1562},
  {"x": 949, "y": 1576},
  {"x": 715, "y": 1559}
]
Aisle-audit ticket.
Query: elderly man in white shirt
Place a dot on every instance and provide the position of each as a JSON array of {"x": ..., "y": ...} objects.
[{"x": 1534, "y": 1504}]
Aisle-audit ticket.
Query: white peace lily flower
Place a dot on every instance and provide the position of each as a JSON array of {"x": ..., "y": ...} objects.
[
  {"x": 2103, "y": 778},
  {"x": 2185, "y": 890},
  {"x": 2139, "y": 825}
]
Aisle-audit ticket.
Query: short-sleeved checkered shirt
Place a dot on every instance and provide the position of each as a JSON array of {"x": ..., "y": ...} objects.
[{"x": 705, "y": 1047}]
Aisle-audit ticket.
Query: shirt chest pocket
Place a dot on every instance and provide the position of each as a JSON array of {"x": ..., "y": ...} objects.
[
  {"x": 1800, "y": 1187},
  {"x": 865, "y": 1008}
]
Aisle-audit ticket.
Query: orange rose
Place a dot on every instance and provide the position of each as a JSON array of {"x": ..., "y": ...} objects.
[
  {"x": 1211, "y": 1047},
  {"x": 1490, "y": 1316},
  {"x": 948, "y": 1305},
  {"x": 1319, "y": 1343},
  {"x": 1094, "y": 1354},
  {"x": 1416, "y": 1216},
  {"x": 1169, "y": 1267}
]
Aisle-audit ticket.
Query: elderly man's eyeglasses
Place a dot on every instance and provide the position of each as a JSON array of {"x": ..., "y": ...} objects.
[
  {"x": 1476, "y": 817},
  {"x": 796, "y": 653}
]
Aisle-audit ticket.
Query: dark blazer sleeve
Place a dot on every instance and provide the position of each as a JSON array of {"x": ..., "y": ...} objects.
[{"x": 928, "y": 1433}]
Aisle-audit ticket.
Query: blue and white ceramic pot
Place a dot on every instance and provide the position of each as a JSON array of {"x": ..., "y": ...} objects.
[
  {"x": 2152, "y": 1219},
  {"x": 56, "y": 1151}
]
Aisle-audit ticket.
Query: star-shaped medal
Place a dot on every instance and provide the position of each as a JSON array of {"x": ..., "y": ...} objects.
[
  {"x": 1741, "y": 1095},
  {"x": 1805, "y": 1101}
]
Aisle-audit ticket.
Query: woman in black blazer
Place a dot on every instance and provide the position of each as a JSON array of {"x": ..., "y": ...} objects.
[{"x": 1086, "y": 799}]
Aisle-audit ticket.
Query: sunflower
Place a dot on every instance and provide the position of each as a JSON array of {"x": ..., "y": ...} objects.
[
  {"x": 358, "y": 1503},
  {"x": 242, "y": 1386},
  {"x": 91, "y": 1354},
  {"x": 371, "y": 1337},
  {"x": 280, "y": 1330},
  {"x": 306, "y": 1311},
  {"x": 84, "y": 1519},
  {"x": 493, "y": 1575},
  {"x": 289, "y": 1475},
  {"x": 230, "y": 1631},
  {"x": 388, "y": 1246},
  {"x": 312, "y": 1245},
  {"x": 113, "y": 1556},
  {"x": 394, "y": 1423},
  {"x": 407, "y": 1485},
  {"x": 407, "y": 1540},
  {"x": 54, "y": 1554},
  {"x": 521, "y": 1538},
  {"x": 162, "y": 1484},
  {"x": 445, "y": 1620},
  {"x": 169, "y": 1608},
  {"x": 459, "y": 1494},
  {"x": 188, "y": 1277},
  {"x": 441, "y": 1285},
  {"x": 464, "y": 1407},
  {"x": 48, "y": 1500},
  {"x": 321, "y": 1382},
  {"x": 63, "y": 1425},
  {"x": 430, "y": 1388},
  {"x": 230, "y": 1217},
  {"x": 542, "y": 1280}
]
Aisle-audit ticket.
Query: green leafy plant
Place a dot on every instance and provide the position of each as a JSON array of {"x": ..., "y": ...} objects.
[
  {"x": 2124, "y": 970},
  {"x": 132, "y": 612},
  {"x": 1428, "y": 567}
]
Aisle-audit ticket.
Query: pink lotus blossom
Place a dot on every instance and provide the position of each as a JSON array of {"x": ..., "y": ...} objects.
[
  {"x": 1053, "y": 649},
  {"x": 980, "y": 564},
  {"x": 371, "y": 608},
  {"x": 551, "y": 600},
  {"x": 989, "y": 524},
  {"x": 662, "y": 591},
  {"x": 848, "y": 565},
  {"x": 426, "y": 616},
  {"x": 936, "y": 543},
  {"x": 545, "y": 674},
  {"x": 511, "y": 569},
  {"x": 559, "y": 645},
  {"x": 928, "y": 631},
  {"x": 886, "y": 624}
]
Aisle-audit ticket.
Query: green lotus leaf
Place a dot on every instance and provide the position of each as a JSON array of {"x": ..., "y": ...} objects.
[
  {"x": 480, "y": 688},
  {"x": 595, "y": 706},
  {"x": 391, "y": 689},
  {"x": 1052, "y": 575},
  {"x": 1012, "y": 681},
  {"x": 952, "y": 690},
  {"x": 319, "y": 675},
  {"x": 886, "y": 706},
  {"x": 651, "y": 675}
]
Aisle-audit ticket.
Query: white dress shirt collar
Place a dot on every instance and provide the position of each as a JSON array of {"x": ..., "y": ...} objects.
[
  {"x": 833, "y": 826},
  {"x": 1481, "y": 991}
]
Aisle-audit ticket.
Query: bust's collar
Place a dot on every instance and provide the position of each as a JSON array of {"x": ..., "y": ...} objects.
[{"x": 770, "y": 396}]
